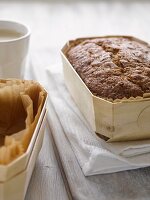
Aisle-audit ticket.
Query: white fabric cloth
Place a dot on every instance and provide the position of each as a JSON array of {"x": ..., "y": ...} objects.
[{"x": 94, "y": 155}]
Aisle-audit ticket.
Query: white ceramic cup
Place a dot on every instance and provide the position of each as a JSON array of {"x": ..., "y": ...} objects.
[{"x": 13, "y": 51}]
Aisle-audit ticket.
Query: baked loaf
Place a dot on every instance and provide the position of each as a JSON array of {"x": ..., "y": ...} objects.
[{"x": 113, "y": 67}]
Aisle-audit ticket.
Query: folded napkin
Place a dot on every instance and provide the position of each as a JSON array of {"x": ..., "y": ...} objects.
[{"x": 94, "y": 154}]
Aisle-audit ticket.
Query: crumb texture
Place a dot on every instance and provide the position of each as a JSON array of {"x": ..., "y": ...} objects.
[{"x": 113, "y": 67}]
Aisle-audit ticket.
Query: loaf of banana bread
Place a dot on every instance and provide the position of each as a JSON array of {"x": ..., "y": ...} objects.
[{"x": 113, "y": 67}]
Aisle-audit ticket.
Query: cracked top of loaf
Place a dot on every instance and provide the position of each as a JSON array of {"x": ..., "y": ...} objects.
[{"x": 113, "y": 67}]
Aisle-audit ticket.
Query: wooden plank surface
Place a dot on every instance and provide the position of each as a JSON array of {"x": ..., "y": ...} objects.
[
  {"x": 46, "y": 182},
  {"x": 48, "y": 179},
  {"x": 52, "y": 24}
]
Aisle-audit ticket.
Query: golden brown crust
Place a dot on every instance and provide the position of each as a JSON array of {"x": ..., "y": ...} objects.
[{"x": 113, "y": 67}]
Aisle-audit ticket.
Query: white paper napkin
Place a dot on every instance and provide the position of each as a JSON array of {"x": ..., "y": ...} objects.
[{"x": 94, "y": 155}]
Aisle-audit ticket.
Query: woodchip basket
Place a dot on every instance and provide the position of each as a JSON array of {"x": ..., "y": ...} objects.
[{"x": 120, "y": 120}]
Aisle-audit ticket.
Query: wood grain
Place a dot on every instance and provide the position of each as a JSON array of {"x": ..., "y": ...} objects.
[
  {"x": 52, "y": 24},
  {"x": 46, "y": 182}
]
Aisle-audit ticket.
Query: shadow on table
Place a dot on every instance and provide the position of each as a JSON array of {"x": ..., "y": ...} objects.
[{"x": 124, "y": 185}]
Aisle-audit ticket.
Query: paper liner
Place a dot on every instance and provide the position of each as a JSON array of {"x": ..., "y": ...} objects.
[
  {"x": 146, "y": 96},
  {"x": 21, "y": 103}
]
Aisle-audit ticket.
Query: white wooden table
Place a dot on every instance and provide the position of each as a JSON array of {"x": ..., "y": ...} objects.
[{"x": 57, "y": 175}]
